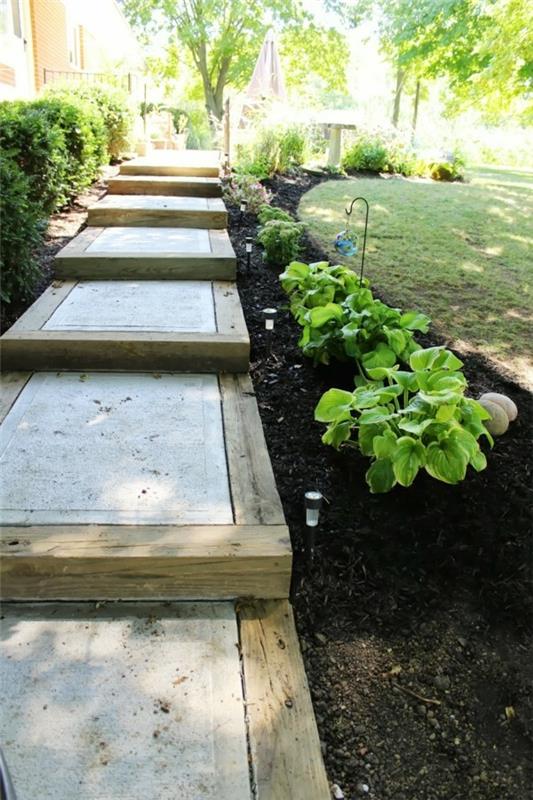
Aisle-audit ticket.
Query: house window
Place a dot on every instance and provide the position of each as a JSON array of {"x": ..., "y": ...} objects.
[
  {"x": 74, "y": 46},
  {"x": 10, "y": 20},
  {"x": 15, "y": 16},
  {"x": 5, "y": 26}
]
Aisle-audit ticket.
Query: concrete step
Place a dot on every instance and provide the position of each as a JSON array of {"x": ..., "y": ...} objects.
[
  {"x": 165, "y": 185},
  {"x": 138, "y": 485},
  {"x": 146, "y": 701},
  {"x": 142, "y": 253},
  {"x": 127, "y": 702},
  {"x": 193, "y": 326},
  {"x": 154, "y": 211},
  {"x": 204, "y": 163}
]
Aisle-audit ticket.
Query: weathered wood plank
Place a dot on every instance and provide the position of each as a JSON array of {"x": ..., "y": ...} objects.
[
  {"x": 42, "y": 309},
  {"x": 228, "y": 310},
  {"x": 148, "y": 211},
  {"x": 11, "y": 385},
  {"x": 253, "y": 487},
  {"x": 176, "y": 162},
  {"x": 165, "y": 185},
  {"x": 121, "y": 561},
  {"x": 124, "y": 350},
  {"x": 134, "y": 267},
  {"x": 285, "y": 748}
]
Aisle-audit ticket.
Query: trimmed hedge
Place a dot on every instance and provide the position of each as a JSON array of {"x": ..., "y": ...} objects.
[{"x": 50, "y": 150}]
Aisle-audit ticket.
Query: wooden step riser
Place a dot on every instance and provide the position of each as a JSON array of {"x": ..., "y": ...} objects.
[
  {"x": 141, "y": 186},
  {"x": 83, "y": 351},
  {"x": 185, "y": 172},
  {"x": 158, "y": 218},
  {"x": 170, "y": 268}
]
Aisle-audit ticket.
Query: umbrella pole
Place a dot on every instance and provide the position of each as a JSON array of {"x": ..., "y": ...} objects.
[{"x": 227, "y": 126}]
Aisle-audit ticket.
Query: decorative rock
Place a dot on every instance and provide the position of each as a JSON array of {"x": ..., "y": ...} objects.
[
  {"x": 503, "y": 401},
  {"x": 499, "y": 421},
  {"x": 337, "y": 792},
  {"x": 442, "y": 682},
  {"x": 362, "y": 788}
]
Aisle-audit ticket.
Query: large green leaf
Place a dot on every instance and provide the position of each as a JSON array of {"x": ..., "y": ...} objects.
[
  {"x": 446, "y": 460},
  {"x": 434, "y": 358},
  {"x": 334, "y": 405},
  {"x": 414, "y": 321},
  {"x": 382, "y": 356},
  {"x": 416, "y": 426},
  {"x": 374, "y": 416},
  {"x": 407, "y": 458},
  {"x": 319, "y": 316},
  {"x": 384, "y": 445},
  {"x": 380, "y": 476},
  {"x": 337, "y": 433},
  {"x": 366, "y": 435},
  {"x": 396, "y": 338}
]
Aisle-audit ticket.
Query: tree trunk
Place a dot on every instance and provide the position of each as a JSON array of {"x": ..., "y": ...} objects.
[
  {"x": 415, "y": 106},
  {"x": 400, "y": 77}
]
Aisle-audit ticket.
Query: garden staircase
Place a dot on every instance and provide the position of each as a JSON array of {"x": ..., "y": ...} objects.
[{"x": 135, "y": 471}]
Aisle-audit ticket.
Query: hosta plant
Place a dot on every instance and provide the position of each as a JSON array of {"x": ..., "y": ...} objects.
[
  {"x": 405, "y": 421},
  {"x": 341, "y": 319}
]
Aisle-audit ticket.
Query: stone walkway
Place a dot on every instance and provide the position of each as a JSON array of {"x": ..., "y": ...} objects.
[{"x": 134, "y": 467}]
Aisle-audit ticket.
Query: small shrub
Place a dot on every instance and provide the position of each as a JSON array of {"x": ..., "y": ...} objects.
[
  {"x": 281, "y": 241},
  {"x": 278, "y": 149},
  {"x": 268, "y": 213},
  {"x": 246, "y": 187},
  {"x": 84, "y": 139},
  {"x": 450, "y": 169},
  {"x": 38, "y": 148},
  {"x": 21, "y": 232},
  {"x": 112, "y": 105},
  {"x": 367, "y": 153}
]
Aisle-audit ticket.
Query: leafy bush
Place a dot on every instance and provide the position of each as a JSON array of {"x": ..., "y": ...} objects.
[
  {"x": 277, "y": 149},
  {"x": 355, "y": 326},
  {"x": 451, "y": 169},
  {"x": 84, "y": 140},
  {"x": 367, "y": 153},
  {"x": 409, "y": 420},
  {"x": 246, "y": 187},
  {"x": 29, "y": 140},
  {"x": 281, "y": 241},
  {"x": 21, "y": 233},
  {"x": 110, "y": 103},
  {"x": 268, "y": 213},
  {"x": 378, "y": 151}
]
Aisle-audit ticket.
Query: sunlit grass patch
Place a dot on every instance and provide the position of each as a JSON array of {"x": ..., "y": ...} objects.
[{"x": 458, "y": 252}]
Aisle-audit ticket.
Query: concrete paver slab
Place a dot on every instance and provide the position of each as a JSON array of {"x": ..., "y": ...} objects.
[
  {"x": 115, "y": 448},
  {"x": 137, "y": 306},
  {"x": 151, "y": 240},
  {"x": 123, "y": 702}
]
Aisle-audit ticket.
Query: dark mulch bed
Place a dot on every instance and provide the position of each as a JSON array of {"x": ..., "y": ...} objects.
[{"x": 433, "y": 581}]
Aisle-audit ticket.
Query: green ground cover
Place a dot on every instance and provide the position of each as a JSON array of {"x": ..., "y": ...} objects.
[{"x": 459, "y": 252}]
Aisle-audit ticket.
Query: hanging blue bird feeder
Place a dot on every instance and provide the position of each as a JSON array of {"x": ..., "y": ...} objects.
[{"x": 347, "y": 243}]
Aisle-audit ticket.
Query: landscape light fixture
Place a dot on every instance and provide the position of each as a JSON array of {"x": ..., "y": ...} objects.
[
  {"x": 243, "y": 207},
  {"x": 249, "y": 245},
  {"x": 313, "y": 504},
  {"x": 269, "y": 315}
]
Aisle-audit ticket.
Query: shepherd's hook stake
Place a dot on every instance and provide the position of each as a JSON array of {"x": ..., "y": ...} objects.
[{"x": 349, "y": 214}]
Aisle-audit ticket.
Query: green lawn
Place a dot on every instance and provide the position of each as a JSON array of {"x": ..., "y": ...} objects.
[{"x": 458, "y": 252}]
